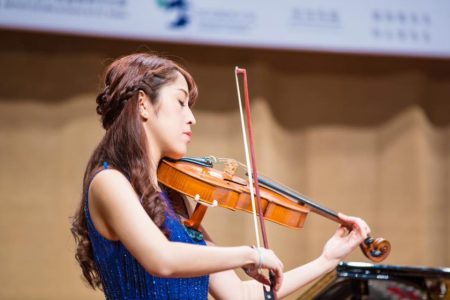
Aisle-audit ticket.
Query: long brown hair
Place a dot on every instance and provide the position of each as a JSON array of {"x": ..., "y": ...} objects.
[{"x": 124, "y": 145}]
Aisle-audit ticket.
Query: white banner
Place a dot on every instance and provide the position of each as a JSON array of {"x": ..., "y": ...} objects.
[{"x": 399, "y": 27}]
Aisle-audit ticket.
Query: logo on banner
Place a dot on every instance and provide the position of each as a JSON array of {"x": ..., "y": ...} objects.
[{"x": 180, "y": 7}]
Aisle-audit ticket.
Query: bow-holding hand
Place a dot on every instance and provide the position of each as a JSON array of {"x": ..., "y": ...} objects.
[{"x": 266, "y": 259}]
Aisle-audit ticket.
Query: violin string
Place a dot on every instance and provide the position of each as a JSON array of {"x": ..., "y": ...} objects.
[{"x": 247, "y": 160}]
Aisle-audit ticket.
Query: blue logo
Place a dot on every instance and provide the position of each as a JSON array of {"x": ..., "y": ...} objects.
[{"x": 181, "y": 8}]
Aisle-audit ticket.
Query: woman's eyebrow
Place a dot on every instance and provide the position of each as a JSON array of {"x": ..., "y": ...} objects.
[{"x": 184, "y": 91}]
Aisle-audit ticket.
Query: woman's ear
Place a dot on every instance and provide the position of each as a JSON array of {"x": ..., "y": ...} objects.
[{"x": 144, "y": 105}]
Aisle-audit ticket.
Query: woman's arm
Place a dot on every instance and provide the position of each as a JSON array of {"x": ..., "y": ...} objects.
[
  {"x": 118, "y": 215},
  {"x": 337, "y": 247},
  {"x": 227, "y": 285}
]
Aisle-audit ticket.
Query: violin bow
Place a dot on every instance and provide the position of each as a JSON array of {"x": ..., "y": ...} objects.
[{"x": 250, "y": 159}]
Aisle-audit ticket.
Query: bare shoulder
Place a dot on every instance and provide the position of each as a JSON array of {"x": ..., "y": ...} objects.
[
  {"x": 110, "y": 182},
  {"x": 110, "y": 196},
  {"x": 108, "y": 178}
]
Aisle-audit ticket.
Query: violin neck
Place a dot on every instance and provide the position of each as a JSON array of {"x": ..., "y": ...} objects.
[{"x": 302, "y": 200}]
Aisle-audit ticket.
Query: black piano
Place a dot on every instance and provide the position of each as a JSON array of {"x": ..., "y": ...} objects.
[{"x": 354, "y": 281}]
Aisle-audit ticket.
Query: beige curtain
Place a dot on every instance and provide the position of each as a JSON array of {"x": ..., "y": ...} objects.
[{"x": 368, "y": 136}]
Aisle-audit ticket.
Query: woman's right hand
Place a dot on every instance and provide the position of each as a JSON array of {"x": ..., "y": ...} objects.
[{"x": 266, "y": 259}]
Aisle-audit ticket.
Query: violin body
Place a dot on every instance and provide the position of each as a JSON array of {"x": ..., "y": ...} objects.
[{"x": 230, "y": 192}]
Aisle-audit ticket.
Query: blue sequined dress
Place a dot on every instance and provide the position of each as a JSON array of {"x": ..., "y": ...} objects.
[{"x": 123, "y": 278}]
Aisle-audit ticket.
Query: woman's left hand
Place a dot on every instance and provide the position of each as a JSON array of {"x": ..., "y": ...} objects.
[{"x": 343, "y": 242}]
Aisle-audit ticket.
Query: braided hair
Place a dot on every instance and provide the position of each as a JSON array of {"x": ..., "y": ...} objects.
[{"x": 124, "y": 145}]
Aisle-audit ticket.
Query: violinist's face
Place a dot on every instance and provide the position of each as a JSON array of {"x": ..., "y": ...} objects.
[{"x": 168, "y": 124}]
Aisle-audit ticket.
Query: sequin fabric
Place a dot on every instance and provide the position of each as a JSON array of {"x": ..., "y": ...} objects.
[{"x": 123, "y": 278}]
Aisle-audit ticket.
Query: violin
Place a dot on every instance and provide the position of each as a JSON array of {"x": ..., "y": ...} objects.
[{"x": 197, "y": 178}]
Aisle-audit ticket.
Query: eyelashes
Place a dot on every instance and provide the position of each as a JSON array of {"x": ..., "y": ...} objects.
[{"x": 182, "y": 103}]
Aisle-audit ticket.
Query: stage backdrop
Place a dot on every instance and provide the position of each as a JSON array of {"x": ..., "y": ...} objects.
[
  {"x": 368, "y": 136},
  {"x": 348, "y": 26}
]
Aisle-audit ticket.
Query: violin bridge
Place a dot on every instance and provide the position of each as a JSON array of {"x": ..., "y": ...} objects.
[{"x": 230, "y": 168}]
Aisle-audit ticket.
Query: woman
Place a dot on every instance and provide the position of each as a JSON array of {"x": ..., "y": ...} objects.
[{"x": 130, "y": 240}]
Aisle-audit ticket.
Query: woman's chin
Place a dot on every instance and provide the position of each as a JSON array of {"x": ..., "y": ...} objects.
[{"x": 175, "y": 155}]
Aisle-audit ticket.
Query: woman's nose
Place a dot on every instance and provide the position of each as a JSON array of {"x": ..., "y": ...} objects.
[{"x": 191, "y": 118}]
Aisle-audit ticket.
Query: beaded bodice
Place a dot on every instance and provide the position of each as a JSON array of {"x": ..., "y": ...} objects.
[{"x": 124, "y": 278}]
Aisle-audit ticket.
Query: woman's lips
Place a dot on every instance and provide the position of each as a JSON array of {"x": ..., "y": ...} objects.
[{"x": 189, "y": 134}]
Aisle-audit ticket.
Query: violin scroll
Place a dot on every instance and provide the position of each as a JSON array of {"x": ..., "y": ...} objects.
[{"x": 375, "y": 249}]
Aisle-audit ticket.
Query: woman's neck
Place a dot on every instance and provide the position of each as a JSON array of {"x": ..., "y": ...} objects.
[{"x": 154, "y": 158}]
